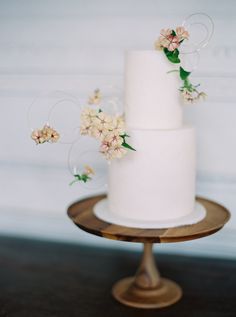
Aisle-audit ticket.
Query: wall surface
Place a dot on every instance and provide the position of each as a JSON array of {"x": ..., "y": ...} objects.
[{"x": 76, "y": 46}]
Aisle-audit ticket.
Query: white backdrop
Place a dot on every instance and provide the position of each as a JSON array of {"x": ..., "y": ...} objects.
[{"x": 77, "y": 46}]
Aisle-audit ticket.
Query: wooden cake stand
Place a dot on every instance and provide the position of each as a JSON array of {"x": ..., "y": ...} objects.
[{"x": 147, "y": 289}]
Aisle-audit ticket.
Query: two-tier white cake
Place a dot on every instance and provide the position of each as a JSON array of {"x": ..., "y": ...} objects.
[{"x": 155, "y": 185}]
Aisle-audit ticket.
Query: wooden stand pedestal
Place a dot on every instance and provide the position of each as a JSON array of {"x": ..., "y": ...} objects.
[{"x": 147, "y": 289}]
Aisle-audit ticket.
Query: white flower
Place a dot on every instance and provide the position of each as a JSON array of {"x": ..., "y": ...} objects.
[
  {"x": 54, "y": 136},
  {"x": 119, "y": 124},
  {"x": 88, "y": 114},
  {"x": 104, "y": 120},
  {"x": 105, "y": 146},
  {"x": 169, "y": 40},
  {"x": 46, "y": 134},
  {"x": 111, "y": 147},
  {"x": 95, "y": 99},
  {"x": 107, "y": 129},
  {"x": 113, "y": 138},
  {"x": 98, "y": 131},
  {"x": 164, "y": 39},
  {"x": 86, "y": 128},
  {"x": 119, "y": 151},
  {"x": 113, "y": 152},
  {"x": 50, "y": 134},
  {"x": 159, "y": 44},
  {"x": 182, "y": 33},
  {"x": 38, "y": 137},
  {"x": 172, "y": 43},
  {"x": 88, "y": 170},
  {"x": 187, "y": 96},
  {"x": 192, "y": 97}
]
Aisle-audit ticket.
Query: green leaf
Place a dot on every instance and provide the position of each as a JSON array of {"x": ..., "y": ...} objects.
[
  {"x": 99, "y": 110},
  {"x": 173, "y": 57},
  {"x": 126, "y": 145},
  {"x": 183, "y": 73},
  {"x": 124, "y": 135},
  {"x": 77, "y": 179},
  {"x": 85, "y": 178},
  {"x": 173, "y": 33}
]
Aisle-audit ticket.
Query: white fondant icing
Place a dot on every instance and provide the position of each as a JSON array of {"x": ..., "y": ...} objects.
[
  {"x": 151, "y": 94},
  {"x": 157, "y": 182},
  {"x": 101, "y": 211}
]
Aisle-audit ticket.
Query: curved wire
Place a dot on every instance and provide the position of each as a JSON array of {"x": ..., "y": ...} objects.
[
  {"x": 209, "y": 32},
  {"x": 71, "y": 98},
  {"x": 41, "y": 96}
]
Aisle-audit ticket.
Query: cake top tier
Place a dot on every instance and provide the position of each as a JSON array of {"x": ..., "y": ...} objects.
[{"x": 151, "y": 92}]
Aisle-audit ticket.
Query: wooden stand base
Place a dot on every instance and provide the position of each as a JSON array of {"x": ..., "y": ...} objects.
[{"x": 147, "y": 289}]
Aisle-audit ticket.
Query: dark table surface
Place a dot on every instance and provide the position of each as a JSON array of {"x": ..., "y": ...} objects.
[{"x": 39, "y": 279}]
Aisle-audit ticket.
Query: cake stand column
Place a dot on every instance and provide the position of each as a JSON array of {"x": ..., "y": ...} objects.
[{"x": 147, "y": 289}]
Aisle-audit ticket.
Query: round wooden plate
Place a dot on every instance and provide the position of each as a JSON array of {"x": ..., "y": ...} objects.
[
  {"x": 82, "y": 215},
  {"x": 147, "y": 289}
]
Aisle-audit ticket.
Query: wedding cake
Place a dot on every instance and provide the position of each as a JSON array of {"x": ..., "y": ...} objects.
[
  {"x": 157, "y": 181},
  {"x": 153, "y": 186},
  {"x": 152, "y": 182}
]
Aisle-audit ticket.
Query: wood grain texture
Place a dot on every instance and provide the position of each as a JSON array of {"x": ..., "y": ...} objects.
[
  {"x": 82, "y": 215},
  {"x": 147, "y": 289}
]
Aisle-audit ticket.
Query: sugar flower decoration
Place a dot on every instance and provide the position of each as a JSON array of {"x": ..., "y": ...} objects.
[
  {"x": 171, "y": 39},
  {"x": 108, "y": 130},
  {"x": 181, "y": 33},
  {"x": 169, "y": 42},
  {"x": 46, "y": 134},
  {"x": 95, "y": 99},
  {"x": 193, "y": 97},
  {"x": 103, "y": 120},
  {"x": 85, "y": 176},
  {"x": 189, "y": 92},
  {"x": 37, "y": 136}
]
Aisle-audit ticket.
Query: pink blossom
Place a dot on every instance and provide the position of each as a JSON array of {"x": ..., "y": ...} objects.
[
  {"x": 173, "y": 43},
  {"x": 37, "y": 136},
  {"x": 182, "y": 33},
  {"x": 167, "y": 40},
  {"x": 165, "y": 32},
  {"x": 163, "y": 39},
  {"x": 105, "y": 146}
]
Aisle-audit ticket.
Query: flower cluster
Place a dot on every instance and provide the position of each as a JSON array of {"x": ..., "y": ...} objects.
[
  {"x": 46, "y": 134},
  {"x": 169, "y": 41},
  {"x": 193, "y": 96},
  {"x": 84, "y": 176},
  {"x": 189, "y": 92},
  {"x": 109, "y": 130}
]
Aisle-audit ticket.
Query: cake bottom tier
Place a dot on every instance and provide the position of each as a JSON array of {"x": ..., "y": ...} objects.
[{"x": 157, "y": 181}]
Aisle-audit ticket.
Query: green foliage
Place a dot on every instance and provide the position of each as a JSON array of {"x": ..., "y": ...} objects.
[
  {"x": 173, "y": 56},
  {"x": 125, "y": 144},
  {"x": 80, "y": 178},
  {"x": 183, "y": 73}
]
